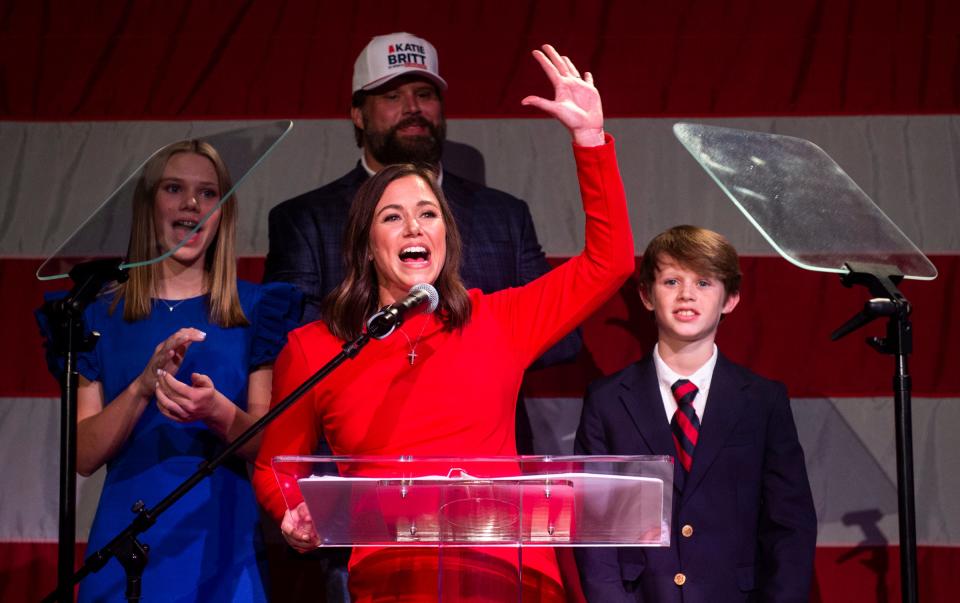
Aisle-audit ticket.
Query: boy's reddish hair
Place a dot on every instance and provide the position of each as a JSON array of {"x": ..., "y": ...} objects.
[{"x": 698, "y": 249}]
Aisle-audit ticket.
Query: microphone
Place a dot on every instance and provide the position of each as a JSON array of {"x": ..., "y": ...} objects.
[{"x": 422, "y": 298}]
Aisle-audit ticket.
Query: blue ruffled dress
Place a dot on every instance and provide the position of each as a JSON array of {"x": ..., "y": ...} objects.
[{"x": 206, "y": 547}]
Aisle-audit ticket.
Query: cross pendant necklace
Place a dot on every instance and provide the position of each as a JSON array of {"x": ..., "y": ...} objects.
[{"x": 412, "y": 355}]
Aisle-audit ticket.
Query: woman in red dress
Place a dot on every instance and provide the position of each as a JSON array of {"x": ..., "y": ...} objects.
[{"x": 447, "y": 383}]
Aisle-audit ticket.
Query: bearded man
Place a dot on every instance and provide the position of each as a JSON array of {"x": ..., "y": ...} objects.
[{"x": 398, "y": 117}]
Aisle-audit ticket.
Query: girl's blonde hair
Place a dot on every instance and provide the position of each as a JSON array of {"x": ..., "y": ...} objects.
[{"x": 220, "y": 265}]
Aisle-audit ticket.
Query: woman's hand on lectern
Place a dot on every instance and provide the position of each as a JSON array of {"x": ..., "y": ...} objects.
[{"x": 297, "y": 528}]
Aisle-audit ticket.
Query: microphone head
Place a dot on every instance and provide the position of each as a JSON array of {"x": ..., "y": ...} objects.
[{"x": 433, "y": 298}]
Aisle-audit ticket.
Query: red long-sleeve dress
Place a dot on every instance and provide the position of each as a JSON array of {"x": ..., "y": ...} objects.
[{"x": 459, "y": 398}]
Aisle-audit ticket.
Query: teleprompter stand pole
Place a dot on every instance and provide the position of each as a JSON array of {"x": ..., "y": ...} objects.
[
  {"x": 882, "y": 281},
  {"x": 69, "y": 339}
]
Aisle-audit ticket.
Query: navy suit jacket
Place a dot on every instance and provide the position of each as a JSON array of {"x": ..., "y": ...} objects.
[
  {"x": 746, "y": 498},
  {"x": 500, "y": 247}
]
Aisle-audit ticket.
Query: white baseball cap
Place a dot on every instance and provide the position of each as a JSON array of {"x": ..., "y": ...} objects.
[{"x": 393, "y": 55}]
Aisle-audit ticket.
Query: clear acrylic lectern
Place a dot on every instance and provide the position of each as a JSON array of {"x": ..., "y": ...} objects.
[{"x": 504, "y": 503}]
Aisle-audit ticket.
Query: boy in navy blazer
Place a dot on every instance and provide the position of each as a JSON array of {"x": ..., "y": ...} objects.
[{"x": 743, "y": 523}]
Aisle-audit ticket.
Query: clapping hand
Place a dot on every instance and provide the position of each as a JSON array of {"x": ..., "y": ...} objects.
[
  {"x": 167, "y": 357},
  {"x": 185, "y": 403},
  {"x": 576, "y": 102}
]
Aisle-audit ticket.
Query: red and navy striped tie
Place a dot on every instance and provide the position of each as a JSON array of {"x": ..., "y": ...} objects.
[{"x": 685, "y": 424}]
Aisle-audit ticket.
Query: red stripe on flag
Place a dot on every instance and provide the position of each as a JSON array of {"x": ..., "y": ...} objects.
[
  {"x": 702, "y": 58},
  {"x": 28, "y": 570},
  {"x": 781, "y": 329},
  {"x": 842, "y": 573}
]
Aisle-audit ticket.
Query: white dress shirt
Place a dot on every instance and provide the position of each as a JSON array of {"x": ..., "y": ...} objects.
[{"x": 701, "y": 378}]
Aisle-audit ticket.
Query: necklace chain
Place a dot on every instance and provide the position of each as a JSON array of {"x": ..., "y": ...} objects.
[
  {"x": 170, "y": 306},
  {"x": 412, "y": 356}
]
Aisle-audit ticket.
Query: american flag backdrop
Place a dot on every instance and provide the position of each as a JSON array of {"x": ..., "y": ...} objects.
[{"x": 87, "y": 90}]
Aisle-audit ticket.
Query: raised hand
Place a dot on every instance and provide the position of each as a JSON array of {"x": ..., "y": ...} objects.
[
  {"x": 576, "y": 102},
  {"x": 167, "y": 357}
]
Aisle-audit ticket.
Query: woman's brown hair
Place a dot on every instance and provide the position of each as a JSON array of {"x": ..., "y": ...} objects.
[{"x": 347, "y": 307}]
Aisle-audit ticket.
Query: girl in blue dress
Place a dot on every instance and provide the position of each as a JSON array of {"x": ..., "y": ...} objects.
[{"x": 182, "y": 367}]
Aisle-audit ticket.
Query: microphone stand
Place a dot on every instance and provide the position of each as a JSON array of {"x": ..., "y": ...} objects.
[
  {"x": 130, "y": 552},
  {"x": 882, "y": 281}
]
